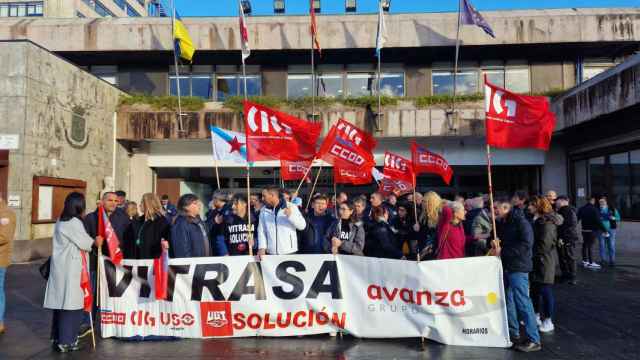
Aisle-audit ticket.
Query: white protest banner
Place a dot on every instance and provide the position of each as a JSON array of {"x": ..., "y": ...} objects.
[{"x": 457, "y": 302}]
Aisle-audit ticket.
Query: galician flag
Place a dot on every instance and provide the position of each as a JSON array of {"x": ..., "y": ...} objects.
[{"x": 228, "y": 145}]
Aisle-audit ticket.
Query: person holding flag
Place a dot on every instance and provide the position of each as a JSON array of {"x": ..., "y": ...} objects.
[{"x": 69, "y": 292}]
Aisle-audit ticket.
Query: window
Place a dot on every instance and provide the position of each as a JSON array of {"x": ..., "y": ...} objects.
[
  {"x": 21, "y": 9},
  {"x": 517, "y": 79},
  {"x": 329, "y": 85},
  {"x": 108, "y": 73},
  {"x": 360, "y": 84},
  {"x": 102, "y": 10},
  {"x": 593, "y": 67},
  {"x": 233, "y": 85},
  {"x": 120, "y": 3},
  {"x": 495, "y": 75},
  {"x": 298, "y": 85},
  {"x": 392, "y": 84},
  {"x": 466, "y": 82},
  {"x": 616, "y": 176},
  {"x": 132, "y": 12},
  {"x": 185, "y": 85}
]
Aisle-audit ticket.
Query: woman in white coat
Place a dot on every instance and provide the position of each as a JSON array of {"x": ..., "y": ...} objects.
[{"x": 64, "y": 294}]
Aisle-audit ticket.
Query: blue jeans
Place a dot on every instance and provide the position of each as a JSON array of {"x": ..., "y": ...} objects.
[
  {"x": 608, "y": 247},
  {"x": 3, "y": 272},
  {"x": 519, "y": 306},
  {"x": 543, "y": 300}
]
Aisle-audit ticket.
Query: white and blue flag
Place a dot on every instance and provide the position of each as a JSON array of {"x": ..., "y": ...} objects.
[
  {"x": 228, "y": 145},
  {"x": 382, "y": 29}
]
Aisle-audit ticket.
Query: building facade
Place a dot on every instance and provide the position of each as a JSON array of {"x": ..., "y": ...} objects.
[{"x": 544, "y": 52}]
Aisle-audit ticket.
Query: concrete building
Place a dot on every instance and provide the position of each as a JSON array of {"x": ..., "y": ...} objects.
[
  {"x": 76, "y": 8},
  {"x": 536, "y": 51},
  {"x": 56, "y": 129}
]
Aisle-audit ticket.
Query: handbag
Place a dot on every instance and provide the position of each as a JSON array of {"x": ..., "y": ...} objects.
[{"x": 45, "y": 268}]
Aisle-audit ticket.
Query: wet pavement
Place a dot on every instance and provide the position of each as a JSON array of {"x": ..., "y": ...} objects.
[{"x": 599, "y": 318}]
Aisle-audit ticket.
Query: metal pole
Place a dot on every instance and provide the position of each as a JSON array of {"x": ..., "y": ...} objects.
[
  {"x": 313, "y": 79},
  {"x": 305, "y": 176},
  {"x": 455, "y": 64},
  {"x": 379, "y": 89},
  {"x": 335, "y": 198},
  {"x": 249, "y": 230},
  {"x": 175, "y": 61},
  {"x": 313, "y": 188},
  {"x": 493, "y": 213}
]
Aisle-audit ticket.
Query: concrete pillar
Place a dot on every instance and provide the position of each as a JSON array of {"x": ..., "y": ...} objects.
[{"x": 274, "y": 81}]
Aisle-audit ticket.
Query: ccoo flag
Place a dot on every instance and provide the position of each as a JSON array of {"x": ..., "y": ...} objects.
[
  {"x": 470, "y": 16},
  {"x": 517, "y": 121},
  {"x": 228, "y": 145},
  {"x": 425, "y": 161},
  {"x": 161, "y": 275},
  {"x": 183, "y": 44}
]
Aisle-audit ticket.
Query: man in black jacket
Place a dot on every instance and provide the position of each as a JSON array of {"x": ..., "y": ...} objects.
[
  {"x": 591, "y": 226},
  {"x": 516, "y": 243},
  {"x": 567, "y": 238}
]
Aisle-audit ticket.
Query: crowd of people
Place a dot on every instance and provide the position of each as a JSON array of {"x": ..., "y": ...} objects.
[{"x": 532, "y": 236}]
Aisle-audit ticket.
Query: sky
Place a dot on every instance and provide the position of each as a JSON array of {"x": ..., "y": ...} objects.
[{"x": 298, "y": 7}]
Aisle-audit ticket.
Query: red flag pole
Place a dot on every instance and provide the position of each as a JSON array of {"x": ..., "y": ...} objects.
[
  {"x": 304, "y": 177},
  {"x": 493, "y": 213}
]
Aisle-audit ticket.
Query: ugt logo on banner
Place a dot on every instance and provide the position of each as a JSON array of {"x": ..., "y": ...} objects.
[{"x": 216, "y": 318}]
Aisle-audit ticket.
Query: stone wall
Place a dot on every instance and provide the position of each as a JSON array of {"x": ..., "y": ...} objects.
[{"x": 41, "y": 96}]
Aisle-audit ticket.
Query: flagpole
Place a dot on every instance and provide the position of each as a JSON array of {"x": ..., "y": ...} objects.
[
  {"x": 379, "y": 92},
  {"x": 313, "y": 188},
  {"x": 175, "y": 61},
  {"x": 215, "y": 163},
  {"x": 313, "y": 69},
  {"x": 455, "y": 64},
  {"x": 493, "y": 213},
  {"x": 246, "y": 98},
  {"x": 305, "y": 175}
]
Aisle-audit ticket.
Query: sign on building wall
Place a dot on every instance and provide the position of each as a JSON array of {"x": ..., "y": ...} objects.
[{"x": 9, "y": 141}]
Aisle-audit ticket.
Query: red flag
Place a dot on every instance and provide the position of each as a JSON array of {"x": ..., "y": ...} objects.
[
  {"x": 294, "y": 170},
  {"x": 347, "y": 146},
  {"x": 314, "y": 27},
  {"x": 106, "y": 231},
  {"x": 398, "y": 168},
  {"x": 274, "y": 135},
  {"x": 425, "y": 161},
  {"x": 161, "y": 275},
  {"x": 352, "y": 176},
  {"x": 394, "y": 186},
  {"x": 85, "y": 285},
  {"x": 517, "y": 121}
]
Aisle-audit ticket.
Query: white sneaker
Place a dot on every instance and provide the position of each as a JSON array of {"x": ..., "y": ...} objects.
[
  {"x": 538, "y": 320},
  {"x": 585, "y": 263},
  {"x": 594, "y": 265},
  {"x": 546, "y": 326}
]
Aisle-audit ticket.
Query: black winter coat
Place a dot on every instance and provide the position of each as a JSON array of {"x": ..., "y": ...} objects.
[
  {"x": 516, "y": 236},
  {"x": 148, "y": 235},
  {"x": 568, "y": 231},
  {"x": 121, "y": 226},
  {"x": 545, "y": 235},
  {"x": 380, "y": 242},
  {"x": 589, "y": 215}
]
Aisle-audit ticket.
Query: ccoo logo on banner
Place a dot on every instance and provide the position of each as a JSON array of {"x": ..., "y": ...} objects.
[{"x": 457, "y": 302}]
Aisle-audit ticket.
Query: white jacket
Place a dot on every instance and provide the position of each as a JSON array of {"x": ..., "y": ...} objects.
[{"x": 277, "y": 232}]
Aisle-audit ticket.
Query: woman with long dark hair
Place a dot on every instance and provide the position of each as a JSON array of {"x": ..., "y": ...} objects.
[
  {"x": 64, "y": 294},
  {"x": 345, "y": 235},
  {"x": 545, "y": 237}
]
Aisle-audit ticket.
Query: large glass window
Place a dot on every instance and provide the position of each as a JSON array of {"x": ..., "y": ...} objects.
[
  {"x": 392, "y": 84},
  {"x": 254, "y": 85},
  {"x": 201, "y": 86},
  {"x": 233, "y": 85},
  {"x": 360, "y": 84},
  {"x": 620, "y": 178},
  {"x": 185, "y": 88},
  {"x": 495, "y": 75},
  {"x": 517, "y": 80},
  {"x": 466, "y": 82},
  {"x": 597, "y": 176},
  {"x": 298, "y": 85},
  {"x": 330, "y": 85}
]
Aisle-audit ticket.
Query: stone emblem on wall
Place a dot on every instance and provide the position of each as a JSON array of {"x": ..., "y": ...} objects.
[{"x": 77, "y": 134}]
